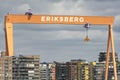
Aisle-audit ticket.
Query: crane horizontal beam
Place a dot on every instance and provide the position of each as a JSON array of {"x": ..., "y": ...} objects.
[{"x": 59, "y": 19}]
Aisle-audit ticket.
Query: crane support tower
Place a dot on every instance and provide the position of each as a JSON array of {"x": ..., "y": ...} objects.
[{"x": 11, "y": 19}]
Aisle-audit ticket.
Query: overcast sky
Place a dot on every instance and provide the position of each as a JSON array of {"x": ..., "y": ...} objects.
[{"x": 55, "y": 42}]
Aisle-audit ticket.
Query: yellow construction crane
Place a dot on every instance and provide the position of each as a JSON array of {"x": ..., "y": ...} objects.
[{"x": 11, "y": 19}]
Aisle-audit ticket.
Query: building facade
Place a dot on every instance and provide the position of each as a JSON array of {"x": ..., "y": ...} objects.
[
  {"x": 100, "y": 67},
  {"x": 5, "y": 67},
  {"x": 47, "y": 71},
  {"x": 52, "y": 67},
  {"x": 86, "y": 70},
  {"x": 99, "y": 71},
  {"x": 61, "y": 71},
  {"x": 102, "y": 57},
  {"x": 44, "y": 71},
  {"x": 72, "y": 70},
  {"x": 19, "y": 68}
]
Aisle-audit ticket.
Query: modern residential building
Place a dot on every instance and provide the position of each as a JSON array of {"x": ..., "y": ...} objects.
[
  {"x": 52, "y": 67},
  {"x": 86, "y": 71},
  {"x": 92, "y": 70},
  {"x": 102, "y": 57},
  {"x": 44, "y": 71},
  {"x": 47, "y": 71},
  {"x": 102, "y": 60},
  {"x": 5, "y": 67},
  {"x": 118, "y": 69},
  {"x": 100, "y": 67},
  {"x": 19, "y": 68},
  {"x": 73, "y": 69},
  {"x": 80, "y": 70},
  {"x": 61, "y": 71},
  {"x": 99, "y": 71}
]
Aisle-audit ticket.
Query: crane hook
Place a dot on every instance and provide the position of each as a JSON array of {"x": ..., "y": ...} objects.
[{"x": 87, "y": 26}]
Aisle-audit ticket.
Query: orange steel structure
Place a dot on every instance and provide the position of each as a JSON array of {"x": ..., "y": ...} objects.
[{"x": 11, "y": 19}]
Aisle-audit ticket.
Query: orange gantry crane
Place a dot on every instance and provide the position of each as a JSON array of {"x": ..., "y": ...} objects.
[{"x": 11, "y": 19}]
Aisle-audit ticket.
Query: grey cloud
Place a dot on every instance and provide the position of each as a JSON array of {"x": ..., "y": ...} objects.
[
  {"x": 53, "y": 1},
  {"x": 102, "y": 7},
  {"x": 50, "y": 49}
]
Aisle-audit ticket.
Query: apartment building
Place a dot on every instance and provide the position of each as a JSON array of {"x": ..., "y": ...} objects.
[
  {"x": 102, "y": 57},
  {"x": 47, "y": 71},
  {"x": 19, "y": 68},
  {"x": 86, "y": 71},
  {"x": 61, "y": 71},
  {"x": 5, "y": 67}
]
